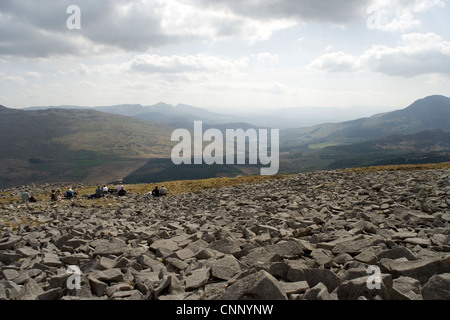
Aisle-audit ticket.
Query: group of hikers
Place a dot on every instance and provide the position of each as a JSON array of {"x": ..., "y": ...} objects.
[
  {"x": 158, "y": 192},
  {"x": 100, "y": 192},
  {"x": 57, "y": 195}
]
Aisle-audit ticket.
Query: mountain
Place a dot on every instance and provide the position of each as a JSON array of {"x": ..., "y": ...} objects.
[
  {"x": 300, "y": 117},
  {"x": 75, "y": 145},
  {"x": 103, "y": 144},
  {"x": 181, "y": 115},
  {"x": 430, "y": 113},
  {"x": 429, "y": 146}
]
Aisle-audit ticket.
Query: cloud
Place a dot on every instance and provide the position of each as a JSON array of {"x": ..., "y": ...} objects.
[
  {"x": 335, "y": 62},
  {"x": 417, "y": 54},
  {"x": 39, "y": 29},
  {"x": 175, "y": 64},
  {"x": 336, "y": 11},
  {"x": 33, "y": 74},
  {"x": 399, "y": 15},
  {"x": 267, "y": 59},
  {"x": 17, "y": 80}
]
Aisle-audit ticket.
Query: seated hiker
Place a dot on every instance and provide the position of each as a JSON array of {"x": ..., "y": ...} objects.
[
  {"x": 155, "y": 192},
  {"x": 26, "y": 196},
  {"x": 53, "y": 196},
  {"x": 56, "y": 195},
  {"x": 163, "y": 191},
  {"x": 119, "y": 187},
  {"x": 122, "y": 192},
  {"x": 59, "y": 195},
  {"x": 69, "y": 193},
  {"x": 105, "y": 190},
  {"x": 99, "y": 192}
]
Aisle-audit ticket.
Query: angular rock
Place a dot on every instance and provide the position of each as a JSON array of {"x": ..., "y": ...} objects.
[
  {"x": 111, "y": 290},
  {"x": 184, "y": 254},
  {"x": 8, "y": 258},
  {"x": 327, "y": 277},
  {"x": 226, "y": 245},
  {"x": 32, "y": 290},
  {"x": 286, "y": 249},
  {"x": 59, "y": 281},
  {"x": 107, "y": 263},
  {"x": 164, "y": 243},
  {"x": 294, "y": 287},
  {"x": 405, "y": 288},
  {"x": 323, "y": 257},
  {"x": 296, "y": 271},
  {"x": 318, "y": 292},
  {"x": 3, "y": 295},
  {"x": 367, "y": 256},
  {"x": 260, "y": 257},
  {"x": 114, "y": 247},
  {"x": 396, "y": 253},
  {"x": 198, "y": 278},
  {"x": 109, "y": 275},
  {"x": 163, "y": 285},
  {"x": 225, "y": 268},
  {"x": 97, "y": 287},
  {"x": 437, "y": 288},
  {"x": 355, "y": 288},
  {"x": 177, "y": 263},
  {"x": 8, "y": 245},
  {"x": 146, "y": 282},
  {"x": 422, "y": 269},
  {"x": 10, "y": 274},
  {"x": 51, "y": 294},
  {"x": 256, "y": 286},
  {"x": 127, "y": 295},
  {"x": 355, "y": 247}
]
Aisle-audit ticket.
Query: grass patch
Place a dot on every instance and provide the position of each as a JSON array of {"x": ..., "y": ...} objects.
[
  {"x": 401, "y": 167},
  {"x": 322, "y": 145},
  {"x": 185, "y": 186}
]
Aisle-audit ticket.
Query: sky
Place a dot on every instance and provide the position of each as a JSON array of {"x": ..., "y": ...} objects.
[{"x": 224, "y": 55}]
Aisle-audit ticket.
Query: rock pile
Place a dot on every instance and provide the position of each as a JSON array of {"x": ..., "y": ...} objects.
[{"x": 321, "y": 235}]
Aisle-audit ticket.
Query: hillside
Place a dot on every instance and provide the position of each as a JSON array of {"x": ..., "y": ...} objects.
[
  {"x": 425, "y": 114},
  {"x": 86, "y": 145},
  {"x": 64, "y": 145},
  {"x": 181, "y": 115},
  {"x": 429, "y": 146}
]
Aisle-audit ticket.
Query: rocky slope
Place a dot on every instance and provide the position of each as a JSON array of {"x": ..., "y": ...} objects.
[{"x": 321, "y": 235}]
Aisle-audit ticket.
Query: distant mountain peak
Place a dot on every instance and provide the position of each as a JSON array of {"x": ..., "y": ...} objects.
[{"x": 431, "y": 101}]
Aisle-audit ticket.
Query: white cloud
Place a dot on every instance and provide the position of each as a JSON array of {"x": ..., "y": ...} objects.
[
  {"x": 33, "y": 74},
  {"x": 417, "y": 54},
  {"x": 336, "y": 11},
  {"x": 335, "y": 62},
  {"x": 398, "y": 15},
  {"x": 39, "y": 30},
  {"x": 267, "y": 59},
  {"x": 14, "y": 79},
  {"x": 175, "y": 64}
]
